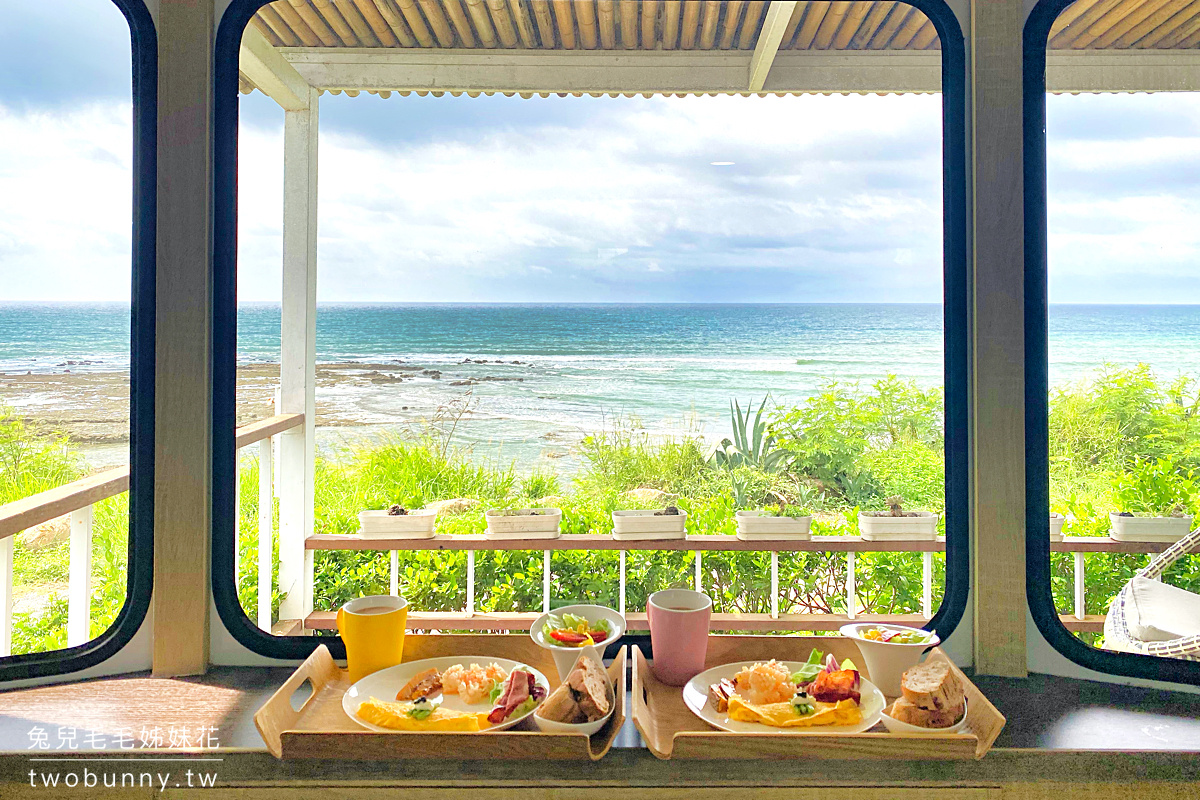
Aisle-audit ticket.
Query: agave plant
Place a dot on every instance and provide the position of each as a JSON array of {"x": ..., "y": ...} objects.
[{"x": 751, "y": 445}]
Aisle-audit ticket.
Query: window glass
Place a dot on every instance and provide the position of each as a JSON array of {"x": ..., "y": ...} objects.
[
  {"x": 1124, "y": 325},
  {"x": 592, "y": 304},
  {"x": 66, "y": 252}
]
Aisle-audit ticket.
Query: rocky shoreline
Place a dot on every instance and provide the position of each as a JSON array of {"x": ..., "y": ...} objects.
[{"x": 92, "y": 407}]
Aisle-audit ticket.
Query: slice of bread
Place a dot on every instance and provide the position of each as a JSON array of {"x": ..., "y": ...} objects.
[
  {"x": 923, "y": 717},
  {"x": 932, "y": 686},
  {"x": 590, "y": 683},
  {"x": 560, "y": 706}
]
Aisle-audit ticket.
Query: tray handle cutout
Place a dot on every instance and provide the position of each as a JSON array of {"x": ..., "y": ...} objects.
[{"x": 280, "y": 714}]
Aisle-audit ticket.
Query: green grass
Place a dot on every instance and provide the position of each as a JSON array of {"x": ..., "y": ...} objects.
[{"x": 844, "y": 449}]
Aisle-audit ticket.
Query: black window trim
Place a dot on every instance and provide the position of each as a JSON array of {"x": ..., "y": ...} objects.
[
  {"x": 1037, "y": 383},
  {"x": 140, "y": 565},
  {"x": 224, "y": 322}
]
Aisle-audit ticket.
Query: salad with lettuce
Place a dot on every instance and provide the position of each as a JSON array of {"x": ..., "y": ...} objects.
[{"x": 572, "y": 630}]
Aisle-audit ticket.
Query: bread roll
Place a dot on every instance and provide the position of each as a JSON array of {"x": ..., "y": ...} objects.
[
  {"x": 932, "y": 686},
  {"x": 590, "y": 684},
  {"x": 925, "y": 718},
  {"x": 560, "y": 706}
]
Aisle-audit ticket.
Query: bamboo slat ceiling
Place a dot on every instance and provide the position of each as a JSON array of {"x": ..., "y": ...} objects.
[
  {"x": 689, "y": 24},
  {"x": 590, "y": 24}
]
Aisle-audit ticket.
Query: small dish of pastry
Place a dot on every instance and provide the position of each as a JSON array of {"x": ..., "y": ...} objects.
[
  {"x": 582, "y": 704},
  {"x": 932, "y": 701}
]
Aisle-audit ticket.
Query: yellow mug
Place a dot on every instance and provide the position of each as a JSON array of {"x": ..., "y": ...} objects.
[{"x": 373, "y": 629}]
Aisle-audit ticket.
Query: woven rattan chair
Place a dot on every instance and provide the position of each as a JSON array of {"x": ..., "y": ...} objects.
[{"x": 1119, "y": 625}]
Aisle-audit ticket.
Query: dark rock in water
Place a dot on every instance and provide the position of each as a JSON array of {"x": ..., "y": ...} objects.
[
  {"x": 499, "y": 378},
  {"x": 397, "y": 511},
  {"x": 480, "y": 361},
  {"x": 435, "y": 373},
  {"x": 467, "y": 382},
  {"x": 379, "y": 377}
]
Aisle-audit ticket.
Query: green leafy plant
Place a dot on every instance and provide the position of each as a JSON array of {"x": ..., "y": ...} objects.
[
  {"x": 790, "y": 511},
  {"x": 1156, "y": 487},
  {"x": 752, "y": 444}
]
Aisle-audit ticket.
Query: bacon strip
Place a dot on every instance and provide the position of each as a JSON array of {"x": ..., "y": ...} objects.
[{"x": 519, "y": 687}]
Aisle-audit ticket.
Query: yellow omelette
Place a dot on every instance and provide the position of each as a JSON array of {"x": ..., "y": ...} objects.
[
  {"x": 395, "y": 716},
  {"x": 783, "y": 715}
]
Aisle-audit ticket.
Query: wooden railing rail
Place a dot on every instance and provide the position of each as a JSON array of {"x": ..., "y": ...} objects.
[
  {"x": 45, "y": 506},
  {"x": 78, "y": 498},
  {"x": 266, "y": 428}
]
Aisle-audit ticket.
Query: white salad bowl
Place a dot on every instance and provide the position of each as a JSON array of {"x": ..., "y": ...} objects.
[
  {"x": 887, "y": 661},
  {"x": 586, "y": 728},
  {"x": 896, "y": 726},
  {"x": 564, "y": 656}
]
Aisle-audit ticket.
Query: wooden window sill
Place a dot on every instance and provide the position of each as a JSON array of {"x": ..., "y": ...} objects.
[{"x": 1058, "y": 729}]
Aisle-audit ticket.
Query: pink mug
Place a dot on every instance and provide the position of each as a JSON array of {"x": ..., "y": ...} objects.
[{"x": 678, "y": 633}]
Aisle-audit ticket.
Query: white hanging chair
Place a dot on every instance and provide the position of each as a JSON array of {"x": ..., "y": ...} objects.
[{"x": 1154, "y": 618}]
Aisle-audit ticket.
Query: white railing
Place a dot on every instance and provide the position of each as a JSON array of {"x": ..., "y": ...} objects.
[
  {"x": 78, "y": 499},
  {"x": 774, "y": 620},
  {"x": 469, "y": 617}
]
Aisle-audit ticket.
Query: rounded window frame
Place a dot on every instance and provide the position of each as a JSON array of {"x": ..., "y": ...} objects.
[
  {"x": 1039, "y": 594},
  {"x": 956, "y": 322},
  {"x": 143, "y": 40}
]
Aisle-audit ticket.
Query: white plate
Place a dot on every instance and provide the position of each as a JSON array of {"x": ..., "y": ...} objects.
[
  {"x": 384, "y": 684},
  {"x": 695, "y": 696}
]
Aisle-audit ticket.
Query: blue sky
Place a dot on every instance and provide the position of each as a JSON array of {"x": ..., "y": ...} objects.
[{"x": 828, "y": 199}]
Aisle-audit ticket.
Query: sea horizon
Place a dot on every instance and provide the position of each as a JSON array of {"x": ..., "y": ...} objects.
[{"x": 540, "y": 376}]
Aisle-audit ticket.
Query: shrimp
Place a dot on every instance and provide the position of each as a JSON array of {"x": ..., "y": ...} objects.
[
  {"x": 474, "y": 683},
  {"x": 765, "y": 683},
  {"x": 452, "y": 679}
]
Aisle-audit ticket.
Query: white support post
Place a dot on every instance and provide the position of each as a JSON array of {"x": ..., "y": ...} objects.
[
  {"x": 266, "y": 502},
  {"x": 298, "y": 357},
  {"x": 79, "y": 580},
  {"x": 470, "y": 583},
  {"x": 927, "y": 585},
  {"x": 774, "y": 585},
  {"x": 6, "y": 595},
  {"x": 621, "y": 600},
  {"x": 1080, "y": 588},
  {"x": 699, "y": 570},
  {"x": 276, "y": 404},
  {"x": 394, "y": 573},
  {"x": 851, "y": 589},
  {"x": 545, "y": 581}
]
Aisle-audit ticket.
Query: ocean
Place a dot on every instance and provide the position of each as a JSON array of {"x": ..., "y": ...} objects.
[{"x": 556, "y": 372}]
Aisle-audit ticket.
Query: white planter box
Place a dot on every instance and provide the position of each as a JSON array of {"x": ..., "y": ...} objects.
[
  {"x": 919, "y": 528},
  {"x": 643, "y": 525},
  {"x": 1149, "y": 529},
  {"x": 1056, "y": 525},
  {"x": 381, "y": 525},
  {"x": 523, "y": 525},
  {"x": 754, "y": 526}
]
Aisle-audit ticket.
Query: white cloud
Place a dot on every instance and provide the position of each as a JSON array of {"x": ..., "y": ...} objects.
[
  {"x": 829, "y": 198},
  {"x": 66, "y": 203}
]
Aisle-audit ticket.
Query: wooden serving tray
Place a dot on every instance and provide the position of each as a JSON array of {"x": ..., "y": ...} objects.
[
  {"x": 671, "y": 730},
  {"x": 321, "y": 728}
]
